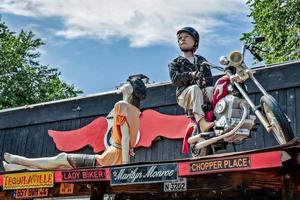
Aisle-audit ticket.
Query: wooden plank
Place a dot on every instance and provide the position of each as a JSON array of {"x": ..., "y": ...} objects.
[
  {"x": 165, "y": 148},
  {"x": 148, "y": 154},
  {"x": 155, "y": 97},
  {"x": 297, "y": 111},
  {"x": 95, "y": 106},
  {"x": 274, "y": 78},
  {"x": 2, "y": 134},
  {"x": 178, "y": 149},
  {"x": 141, "y": 155},
  {"x": 13, "y": 141},
  {"x": 170, "y": 110},
  {"x": 25, "y": 136},
  {"x": 170, "y": 94},
  {"x": 49, "y": 144},
  {"x": 291, "y": 107},
  {"x": 155, "y": 151},
  {"x": 35, "y": 139},
  {"x": 159, "y": 143},
  {"x": 2, "y": 148},
  {"x": 40, "y": 144},
  {"x": 11, "y": 138},
  {"x": 179, "y": 110},
  {"x": 18, "y": 140},
  {"x": 56, "y": 111},
  {"x": 170, "y": 149}
]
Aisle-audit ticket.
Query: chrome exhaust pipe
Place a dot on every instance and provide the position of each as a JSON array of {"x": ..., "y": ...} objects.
[
  {"x": 206, "y": 143},
  {"x": 194, "y": 139},
  {"x": 198, "y": 137}
]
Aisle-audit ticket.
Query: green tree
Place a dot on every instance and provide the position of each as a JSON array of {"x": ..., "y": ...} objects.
[
  {"x": 279, "y": 22},
  {"x": 23, "y": 80}
]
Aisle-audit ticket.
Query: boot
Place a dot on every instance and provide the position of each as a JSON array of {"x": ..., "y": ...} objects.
[{"x": 205, "y": 125}]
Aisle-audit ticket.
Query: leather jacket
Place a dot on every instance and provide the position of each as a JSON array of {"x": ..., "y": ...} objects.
[{"x": 180, "y": 68}]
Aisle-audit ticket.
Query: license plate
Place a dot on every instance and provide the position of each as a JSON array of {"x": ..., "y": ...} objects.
[{"x": 176, "y": 186}]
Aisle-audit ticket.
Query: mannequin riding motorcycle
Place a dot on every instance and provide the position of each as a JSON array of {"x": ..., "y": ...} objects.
[{"x": 231, "y": 107}]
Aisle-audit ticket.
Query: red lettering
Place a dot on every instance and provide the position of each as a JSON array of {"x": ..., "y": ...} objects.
[
  {"x": 100, "y": 174},
  {"x": 84, "y": 175},
  {"x": 70, "y": 175}
]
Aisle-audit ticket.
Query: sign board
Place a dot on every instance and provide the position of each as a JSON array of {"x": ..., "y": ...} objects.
[
  {"x": 231, "y": 163},
  {"x": 66, "y": 188},
  {"x": 30, "y": 193},
  {"x": 28, "y": 180},
  {"x": 220, "y": 164},
  {"x": 143, "y": 174},
  {"x": 176, "y": 186},
  {"x": 83, "y": 175}
]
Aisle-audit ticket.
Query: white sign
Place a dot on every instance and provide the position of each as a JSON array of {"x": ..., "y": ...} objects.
[
  {"x": 175, "y": 186},
  {"x": 144, "y": 174}
]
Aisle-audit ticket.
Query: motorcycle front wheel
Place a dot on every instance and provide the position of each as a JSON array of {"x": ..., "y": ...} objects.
[
  {"x": 281, "y": 127},
  {"x": 196, "y": 153}
]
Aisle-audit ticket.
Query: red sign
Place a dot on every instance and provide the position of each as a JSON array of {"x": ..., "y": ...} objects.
[
  {"x": 1, "y": 180},
  {"x": 232, "y": 163},
  {"x": 31, "y": 192},
  {"x": 152, "y": 125},
  {"x": 82, "y": 175}
]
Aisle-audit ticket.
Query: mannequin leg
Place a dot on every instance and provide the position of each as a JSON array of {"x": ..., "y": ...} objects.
[
  {"x": 56, "y": 162},
  {"x": 15, "y": 167},
  {"x": 125, "y": 143}
]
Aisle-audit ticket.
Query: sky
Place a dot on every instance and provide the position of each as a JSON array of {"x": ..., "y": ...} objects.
[{"x": 97, "y": 44}]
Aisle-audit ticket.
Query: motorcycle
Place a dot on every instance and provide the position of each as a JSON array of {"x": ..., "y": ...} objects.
[{"x": 232, "y": 105}]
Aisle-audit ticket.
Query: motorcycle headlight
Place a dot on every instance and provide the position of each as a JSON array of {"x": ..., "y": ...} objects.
[{"x": 236, "y": 58}]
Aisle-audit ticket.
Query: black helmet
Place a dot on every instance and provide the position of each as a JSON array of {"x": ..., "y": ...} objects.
[
  {"x": 139, "y": 88},
  {"x": 193, "y": 33}
]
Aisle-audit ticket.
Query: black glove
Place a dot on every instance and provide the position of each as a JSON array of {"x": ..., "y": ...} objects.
[{"x": 198, "y": 75}]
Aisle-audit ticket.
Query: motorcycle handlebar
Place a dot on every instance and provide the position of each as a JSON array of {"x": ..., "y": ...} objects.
[
  {"x": 257, "y": 56},
  {"x": 259, "y": 39},
  {"x": 252, "y": 50},
  {"x": 213, "y": 66}
]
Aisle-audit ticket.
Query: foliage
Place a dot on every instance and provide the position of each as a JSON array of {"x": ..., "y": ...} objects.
[
  {"x": 279, "y": 22},
  {"x": 23, "y": 80}
]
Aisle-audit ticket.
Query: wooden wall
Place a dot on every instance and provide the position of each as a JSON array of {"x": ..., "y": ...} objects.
[{"x": 24, "y": 131}]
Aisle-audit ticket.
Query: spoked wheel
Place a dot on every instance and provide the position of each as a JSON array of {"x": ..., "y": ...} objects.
[
  {"x": 196, "y": 153},
  {"x": 281, "y": 127}
]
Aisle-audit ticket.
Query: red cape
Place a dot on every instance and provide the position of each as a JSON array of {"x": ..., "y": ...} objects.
[{"x": 152, "y": 125}]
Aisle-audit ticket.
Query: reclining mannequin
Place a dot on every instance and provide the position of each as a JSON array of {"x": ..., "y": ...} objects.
[{"x": 124, "y": 137}]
